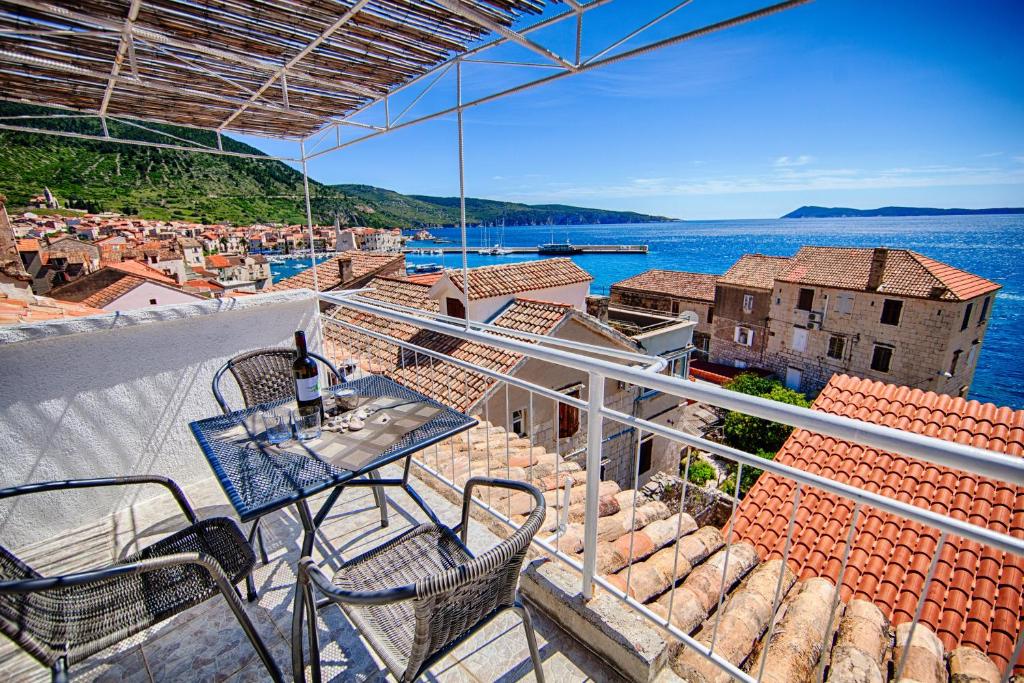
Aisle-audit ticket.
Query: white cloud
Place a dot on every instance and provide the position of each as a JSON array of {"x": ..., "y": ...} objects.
[
  {"x": 779, "y": 180},
  {"x": 1020, "y": 159},
  {"x": 989, "y": 155},
  {"x": 787, "y": 161}
]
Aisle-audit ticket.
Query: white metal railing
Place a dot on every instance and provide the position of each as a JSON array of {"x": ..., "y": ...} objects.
[{"x": 643, "y": 372}]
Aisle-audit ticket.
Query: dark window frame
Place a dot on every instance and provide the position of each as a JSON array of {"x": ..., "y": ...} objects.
[
  {"x": 459, "y": 309},
  {"x": 967, "y": 316},
  {"x": 841, "y": 344},
  {"x": 805, "y": 299},
  {"x": 986, "y": 306},
  {"x": 568, "y": 416},
  {"x": 889, "y": 317},
  {"x": 645, "y": 454},
  {"x": 875, "y": 356}
]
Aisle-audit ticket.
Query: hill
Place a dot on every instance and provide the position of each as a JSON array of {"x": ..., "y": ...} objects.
[
  {"x": 175, "y": 185},
  {"x": 842, "y": 212}
]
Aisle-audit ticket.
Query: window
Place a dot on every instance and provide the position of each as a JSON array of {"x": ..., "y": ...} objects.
[
  {"x": 983, "y": 316},
  {"x": 152, "y": 302},
  {"x": 455, "y": 307},
  {"x": 836, "y": 346},
  {"x": 892, "y": 309},
  {"x": 711, "y": 314},
  {"x": 972, "y": 355},
  {"x": 799, "y": 342},
  {"x": 646, "y": 450},
  {"x": 568, "y": 417},
  {"x": 881, "y": 358},
  {"x": 954, "y": 362},
  {"x": 744, "y": 336},
  {"x": 519, "y": 422},
  {"x": 748, "y": 303},
  {"x": 967, "y": 316},
  {"x": 805, "y": 300}
]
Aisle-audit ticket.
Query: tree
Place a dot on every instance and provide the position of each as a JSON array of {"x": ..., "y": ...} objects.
[{"x": 754, "y": 434}]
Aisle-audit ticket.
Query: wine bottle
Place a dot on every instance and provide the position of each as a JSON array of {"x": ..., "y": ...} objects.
[{"x": 307, "y": 378}]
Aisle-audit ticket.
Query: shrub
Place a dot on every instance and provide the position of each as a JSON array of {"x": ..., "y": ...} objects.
[
  {"x": 701, "y": 472},
  {"x": 754, "y": 434}
]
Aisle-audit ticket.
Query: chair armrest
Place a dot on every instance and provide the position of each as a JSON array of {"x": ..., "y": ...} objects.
[
  {"x": 44, "y": 486},
  {"x": 467, "y": 497},
  {"x": 24, "y": 586},
  {"x": 309, "y": 573}
]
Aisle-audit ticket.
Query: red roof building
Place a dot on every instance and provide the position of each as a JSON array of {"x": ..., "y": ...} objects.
[{"x": 975, "y": 597}]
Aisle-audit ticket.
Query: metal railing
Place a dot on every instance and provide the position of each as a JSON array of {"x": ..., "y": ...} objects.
[{"x": 628, "y": 374}]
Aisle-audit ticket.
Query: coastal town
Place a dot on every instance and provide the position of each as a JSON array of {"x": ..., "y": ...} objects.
[{"x": 535, "y": 391}]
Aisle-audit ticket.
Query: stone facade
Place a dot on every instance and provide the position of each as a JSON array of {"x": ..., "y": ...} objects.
[
  {"x": 740, "y": 307},
  {"x": 672, "y": 305},
  {"x": 843, "y": 328}
]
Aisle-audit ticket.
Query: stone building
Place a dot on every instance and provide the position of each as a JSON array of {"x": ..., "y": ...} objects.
[
  {"x": 743, "y": 298},
  {"x": 673, "y": 292},
  {"x": 886, "y": 314}
]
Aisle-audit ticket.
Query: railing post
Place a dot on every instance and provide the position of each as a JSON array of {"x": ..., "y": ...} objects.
[{"x": 595, "y": 427}]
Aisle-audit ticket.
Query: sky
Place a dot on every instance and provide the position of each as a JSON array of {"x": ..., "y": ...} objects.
[{"x": 835, "y": 103}]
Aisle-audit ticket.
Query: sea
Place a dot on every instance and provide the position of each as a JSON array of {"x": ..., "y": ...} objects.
[{"x": 990, "y": 246}]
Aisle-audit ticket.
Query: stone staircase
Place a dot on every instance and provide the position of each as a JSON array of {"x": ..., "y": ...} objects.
[{"x": 806, "y": 636}]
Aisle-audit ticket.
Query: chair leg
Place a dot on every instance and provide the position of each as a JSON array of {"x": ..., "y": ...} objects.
[
  {"x": 59, "y": 671},
  {"x": 531, "y": 639},
  {"x": 381, "y": 499},
  {"x": 254, "y": 637},
  {"x": 314, "y": 639},
  {"x": 250, "y": 588}
]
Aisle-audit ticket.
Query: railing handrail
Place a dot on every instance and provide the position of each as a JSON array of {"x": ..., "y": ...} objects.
[{"x": 933, "y": 450}]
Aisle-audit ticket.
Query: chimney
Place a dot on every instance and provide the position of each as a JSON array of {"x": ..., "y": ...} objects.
[
  {"x": 345, "y": 269},
  {"x": 597, "y": 306},
  {"x": 878, "y": 259}
]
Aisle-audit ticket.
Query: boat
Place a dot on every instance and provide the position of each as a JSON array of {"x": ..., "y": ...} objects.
[
  {"x": 496, "y": 250},
  {"x": 424, "y": 268},
  {"x": 557, "y": 249}
]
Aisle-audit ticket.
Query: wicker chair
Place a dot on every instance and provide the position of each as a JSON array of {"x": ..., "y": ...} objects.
[
  {"x": 263, "y": 376},
  {"x": 421, "y": 594},
  {"x": 62, "y": 620}
]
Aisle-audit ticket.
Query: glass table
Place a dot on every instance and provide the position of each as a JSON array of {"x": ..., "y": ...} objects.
[{"x": 259, "y": 477}]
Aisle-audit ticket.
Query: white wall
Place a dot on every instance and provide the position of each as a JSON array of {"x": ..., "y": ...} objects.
[
  {"x": 114, "y": 394},
  {"x": 140, "y": 296}
]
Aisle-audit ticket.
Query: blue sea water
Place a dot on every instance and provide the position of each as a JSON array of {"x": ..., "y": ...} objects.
[{"x": 991, "y": 246}]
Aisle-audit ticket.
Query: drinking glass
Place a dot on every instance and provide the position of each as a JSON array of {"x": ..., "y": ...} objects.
[
  {"x": 278, "y": 428},
  {"x": 306, "y": 426}
]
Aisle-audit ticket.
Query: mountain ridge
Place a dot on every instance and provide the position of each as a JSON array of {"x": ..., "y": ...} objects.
[
  {"x": 167, "y": 184},
  {"x": 892, "y": 211}
]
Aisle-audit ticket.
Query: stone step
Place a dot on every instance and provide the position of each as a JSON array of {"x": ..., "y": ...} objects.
[
  {"x": 737, "y": 629},
  {"x": 698, "y": 595},
  {"x": 798, "y": 639}
]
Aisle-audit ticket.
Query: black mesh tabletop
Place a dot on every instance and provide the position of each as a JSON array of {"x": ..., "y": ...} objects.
[{"x": 259, "y": 477}]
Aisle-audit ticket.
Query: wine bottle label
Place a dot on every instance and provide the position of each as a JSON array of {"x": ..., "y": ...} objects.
[{"x": 307, "y": 389}]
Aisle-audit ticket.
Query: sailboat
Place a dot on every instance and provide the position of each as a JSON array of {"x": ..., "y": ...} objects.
[{"x": 497, "y": 249}]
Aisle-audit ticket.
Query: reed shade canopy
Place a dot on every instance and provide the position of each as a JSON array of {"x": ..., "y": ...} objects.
[{"x": 277, "y": 68}]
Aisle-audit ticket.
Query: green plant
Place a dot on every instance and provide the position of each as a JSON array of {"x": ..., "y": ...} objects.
[
  {"x": 754, "y": 434},
  {"x": 750, "y": 476},
  {"x": 701, "y": 472}
]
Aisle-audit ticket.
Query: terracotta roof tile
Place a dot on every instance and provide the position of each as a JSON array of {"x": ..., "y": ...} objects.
[
  {"x": 889, "y": 559},
  {"x": 329, "y": 271},
  {"x": 403, "y": 292},
  {"x": 21, "y": 306},
  {"x": 905, "y": 273},
  {"x": 678, "y": 283},
  {"x": 141, "y": 270},
  {"x": 515, "y": 278},
  {"x": 756, "y": 271},
  {"x": 113, "y": 291}
]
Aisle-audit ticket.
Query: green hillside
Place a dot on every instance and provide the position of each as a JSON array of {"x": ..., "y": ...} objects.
[{"x": 168, "y": 184}]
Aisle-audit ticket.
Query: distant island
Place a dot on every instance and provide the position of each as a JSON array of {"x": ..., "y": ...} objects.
[{"x": 843, "y": 212}]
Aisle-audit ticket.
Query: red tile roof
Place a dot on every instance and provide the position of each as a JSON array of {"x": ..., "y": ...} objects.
[
  {"x": 21, "y": 306},
  {"x": 139, "y": 269},
  {"x": 217, "y": 261},
  {"x": 113, "y": 291},
  {"x": 975, "y": 598},
  {"x": 905, "y": 273},
  {"x": 27, "y": 245},
  {"x": 515, "y": 278},
  {"x": 329, "y": 273},
  {"x": 424, "y": 278},
  {"x": 677, "y": 283},
  {"x": 402, "y": 292},
  {"x": 755, "y": 270}
]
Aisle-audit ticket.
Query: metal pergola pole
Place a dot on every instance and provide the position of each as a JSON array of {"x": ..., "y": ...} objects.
[
  {"x": 462, "y": 192},
  {"x": 312, "y": 246}
]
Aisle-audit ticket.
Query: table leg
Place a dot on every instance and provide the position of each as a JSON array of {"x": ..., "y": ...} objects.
[{"x": 308, "y": 528}]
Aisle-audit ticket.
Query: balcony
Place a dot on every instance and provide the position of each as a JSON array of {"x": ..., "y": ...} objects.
[{"x": 637, "y": 568}]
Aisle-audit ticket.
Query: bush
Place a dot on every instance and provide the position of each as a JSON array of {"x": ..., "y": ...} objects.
[
  {"x": 753, "y": 434},
  {"x": 701, "y": 472},
  {"x": 750, "y": 476}
]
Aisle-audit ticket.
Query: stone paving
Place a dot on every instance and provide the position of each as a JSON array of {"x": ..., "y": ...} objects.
[{"x": 206, "y": 643}]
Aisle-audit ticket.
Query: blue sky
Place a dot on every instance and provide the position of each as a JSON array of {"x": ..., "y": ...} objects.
[{"x": 838, "y": 102}]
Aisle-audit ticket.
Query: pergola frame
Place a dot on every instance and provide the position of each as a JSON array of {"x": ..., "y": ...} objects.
[{"x": 555, "y": 65}]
